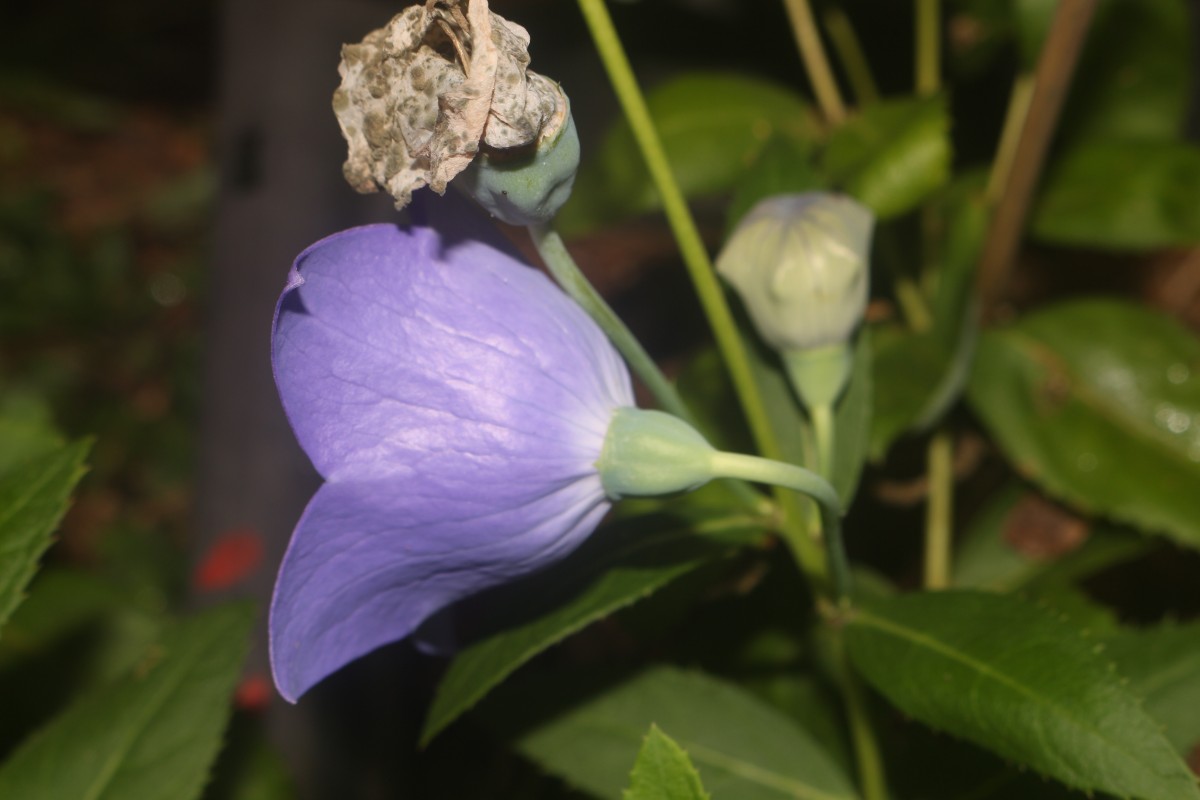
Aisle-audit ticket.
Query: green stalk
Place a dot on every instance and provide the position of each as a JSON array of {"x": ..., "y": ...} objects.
[
  {"x": 1010, "y": 134},
  {"x": 572, "y": 280},
  {"x": 699, "y": 267},
  {"x": 939, "y": 511},
  {"x": 871, "y": 777},
  {"x": 928, "y": 46},
  {"x": 823, "y": 432},
  {"x": 851, "y": 54},
  {"x": 790, "y": 476},
  {"x": 816, "y": 64}
]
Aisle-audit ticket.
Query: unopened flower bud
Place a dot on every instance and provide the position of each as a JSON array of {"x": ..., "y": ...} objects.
[
  {"x": 422, "y": 96},
  {"x": 526, "y": 185},
  {"x": 799, "y": 262}
]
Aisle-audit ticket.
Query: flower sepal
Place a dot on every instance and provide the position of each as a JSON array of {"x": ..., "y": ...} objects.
[{"x": 650, "y": 453}]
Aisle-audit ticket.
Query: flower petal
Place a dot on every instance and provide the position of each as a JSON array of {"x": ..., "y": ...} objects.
[
  {"x": 397, "y": 353},
  {"x": 370, "y": 561}
]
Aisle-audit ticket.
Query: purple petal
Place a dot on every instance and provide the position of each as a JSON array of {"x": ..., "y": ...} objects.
[
  {"x": 370, "y": 561},
  {"x": 388, "y": 350},
  {"x": 456, "y": 403}
]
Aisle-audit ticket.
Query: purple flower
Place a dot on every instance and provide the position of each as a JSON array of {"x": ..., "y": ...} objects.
[{"x": 455, "y": 402}]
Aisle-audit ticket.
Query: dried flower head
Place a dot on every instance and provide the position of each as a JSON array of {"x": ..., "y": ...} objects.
[{"x": 420, "y": 96}]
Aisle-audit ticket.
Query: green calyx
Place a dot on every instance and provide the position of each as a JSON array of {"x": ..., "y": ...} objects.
[
  {"x": 819, "y": 374},
  {"x": 652, "y": 453}
]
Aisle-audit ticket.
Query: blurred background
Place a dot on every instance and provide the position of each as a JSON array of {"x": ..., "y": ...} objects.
[{"x": 160, "y": 166}]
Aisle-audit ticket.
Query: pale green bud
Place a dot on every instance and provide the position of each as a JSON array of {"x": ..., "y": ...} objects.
[
  {"x": 800, "y": 263},
  {"x": 650, "y": 453},
  {"x": 526, "y": 185}
]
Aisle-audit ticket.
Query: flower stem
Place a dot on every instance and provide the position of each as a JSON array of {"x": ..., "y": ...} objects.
[
  {"x": 850, "y": 52},
  {"x": 824, "y": 433},
  {"x": 572, "y": 280},
  {"x": 1052, "y": 77},
  {"x": 928, "y": 46},
  {"x": 808, "y": 39},
  {"x": 940, "y": 510},
  {"x": 790, "y": 476},
  {"x": 871, "y": 778},
  {"x": 699, "y": 267},
  {"x": 1010, "y": 134}
]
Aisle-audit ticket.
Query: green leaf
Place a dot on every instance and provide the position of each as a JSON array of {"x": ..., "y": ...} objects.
[
  {"x": 1121, "y": 195},
  {"x": 1134, "y": 79},
  {"x": 919, "y": 376},
  {"x": 151, "y": 735},
  {"x": 742, "y": 748},
  {"x": 783, "y": 167},
  {"x": 624, "y": 562},
  {"x": 712, "y": 125},
  {"x": 907, "y": 367},
  {"x": 663, "y": 771},
  {"x": 26, "y": 429},
  {"x": 1017, "y": 680},
  {"x": 1163, "y": 668},
  {"x": 1098, "y": 402},
  {"x": 893, "y": 155},
  {"x": 33, "y": 498}
]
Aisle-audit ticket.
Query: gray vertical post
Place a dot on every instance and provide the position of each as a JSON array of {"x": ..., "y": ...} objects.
[{"x": 280, "y": 155}]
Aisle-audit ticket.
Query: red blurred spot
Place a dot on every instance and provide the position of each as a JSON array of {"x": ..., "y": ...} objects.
[
  {"x": 233, "y": 557},
  {"x": 253, "y": 693}
]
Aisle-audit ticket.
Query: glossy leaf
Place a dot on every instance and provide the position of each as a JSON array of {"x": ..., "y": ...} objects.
[
  {"x": 742, "y": 748},
  {"x": 33, "y": 497},
  {"x": 892, "y": 156},
  {"x": 1019, "y": 681},
  {"x": 712, "y": 126},
  {"x": 1135, "y": 195},
  {"x": 1098, "y": 402},
  {"x": 663, "y": 771},
  {"x": 1163, "y": 668},
  {"x": 151, "y": 735},
  {"x": 620, "y": 564}
]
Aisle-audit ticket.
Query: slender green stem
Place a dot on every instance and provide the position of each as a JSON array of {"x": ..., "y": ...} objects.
[
  {"x": 823, "y": 432},
  {"x": 940, "y": 510},
  {"x": 808, "y": 39},
  {"x": 790, "y": 476},
  {"x": 871, "y": 776},
  {"x": 928, "y": 46},
  {"x": 695, "y": 256},
  {"x": 850, "y": 52},
  {"x": 572, "y": 280}
]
